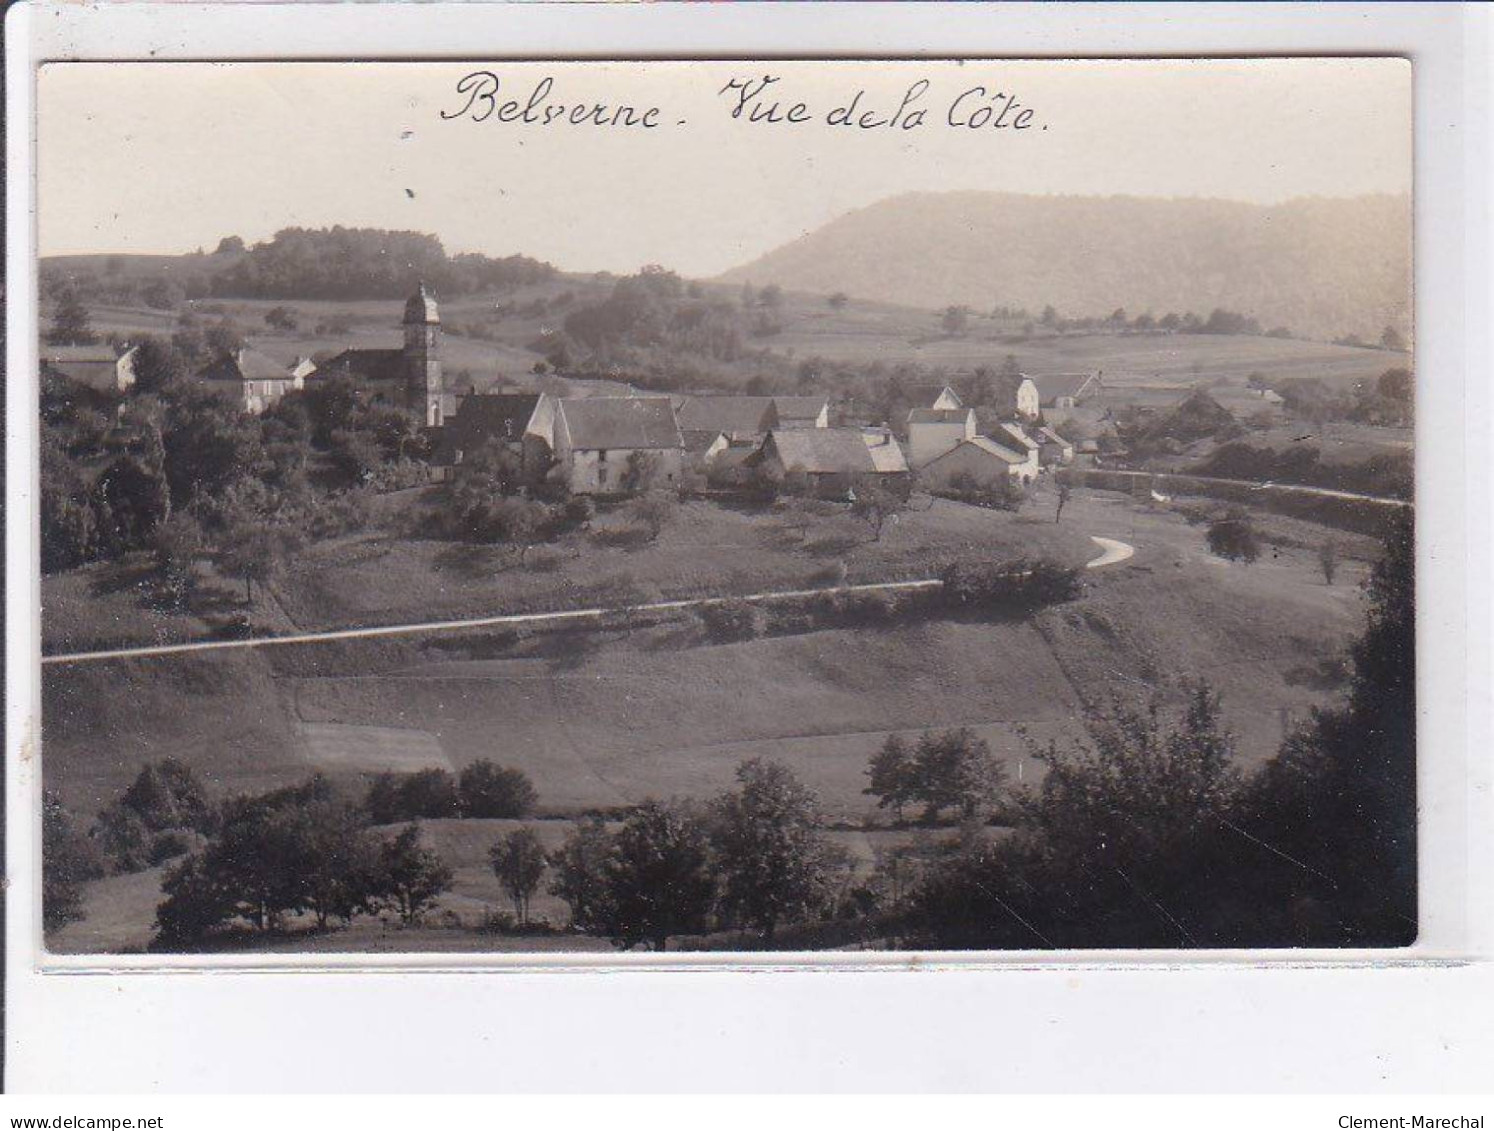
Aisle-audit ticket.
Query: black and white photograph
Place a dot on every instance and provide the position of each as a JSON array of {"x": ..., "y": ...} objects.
[{"x": 607, "y": 508}]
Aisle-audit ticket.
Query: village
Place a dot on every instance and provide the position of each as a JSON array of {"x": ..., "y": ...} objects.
[
  {"x": 596, "y": 444},
  {"x": 943, "y": 584}
]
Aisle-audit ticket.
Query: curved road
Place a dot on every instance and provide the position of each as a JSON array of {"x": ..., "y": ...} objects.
[{"x": 1114, "y": 552}]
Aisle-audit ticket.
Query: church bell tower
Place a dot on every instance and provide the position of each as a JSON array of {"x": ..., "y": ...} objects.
[{"x": 423, "y": 356}]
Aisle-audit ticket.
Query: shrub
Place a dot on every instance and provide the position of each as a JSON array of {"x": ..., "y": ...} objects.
[
  {"x": 1233, "y": 537},
  {"x": 488, "y": 790},
  {"x": 832, "y": 576},
  {"x": 730, "y": 620},
  {"x": 1007, "y": 587},
  {"x": 543, "y": 561},
  {"x": 859, "y": 609},
  {"x": 168, "y": 845},
  {"x": 407, "y": 797}
]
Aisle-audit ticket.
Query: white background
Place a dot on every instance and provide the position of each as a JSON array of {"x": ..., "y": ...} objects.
[{"x": 1177, "y": 1023}]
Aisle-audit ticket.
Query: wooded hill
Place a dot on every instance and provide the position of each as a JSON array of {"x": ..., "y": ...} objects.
[{"x": 1321, "y": 268}]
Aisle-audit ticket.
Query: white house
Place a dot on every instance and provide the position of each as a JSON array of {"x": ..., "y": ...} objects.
[
  {"x": 253, "y": 380},
  {"x": 1013, "y": 437},
  {"x": 1029, "y": 400},
  {"x": 596, "y": 439},
  {"x": 934, "y": 431}
]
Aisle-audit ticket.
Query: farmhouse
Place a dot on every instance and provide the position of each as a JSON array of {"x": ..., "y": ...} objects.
[
  {"x": 980, "y": 460},
  {"x": 608, "y": 445},
  {"x": 94, "y": 366},
  {"x": 831, "y": 459},
  {"x": 934, "y": 431},
  {"x": 252, "y": 379},
  {"x": 522, "y": 423},
  {"x": 409, "y": 376}
]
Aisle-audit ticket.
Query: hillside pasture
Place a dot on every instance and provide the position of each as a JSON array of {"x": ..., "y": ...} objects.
[{"x": 704, "y": 549}]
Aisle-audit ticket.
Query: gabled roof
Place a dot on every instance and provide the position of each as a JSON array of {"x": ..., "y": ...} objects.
[
  {"x": 595, "y": 423},
  {"x": 1015, "y": 432},
  {"x": 983, "y": 444},
  {"x": 1052, "y": 437},
  {"x": 481, "y": 417},
  {"x": 88, "y": 365},
  {"x": 699, "y": 439},
  {"x": 367, "y": 364},
  {"x": 939, "y": 415},
  {"x": 799, "y": 408},
  {"x": 726, "y": 414},
  {"x": 246, "y": 364},
  {"x": 925, "y": 393},
  {"x": 825, "y": 451},
  {"x": 1051, "y": 386}
]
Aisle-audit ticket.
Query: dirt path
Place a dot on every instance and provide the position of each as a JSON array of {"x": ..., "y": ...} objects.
[{"x": 1115, "y": 551}]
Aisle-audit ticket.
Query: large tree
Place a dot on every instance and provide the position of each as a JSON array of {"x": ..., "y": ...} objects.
[
  {"x": 772, "y": 858},
  {"x": 659, "y": 881},
  {"x": 71, "y": 324},
  {"x": 519, "y": 863}
]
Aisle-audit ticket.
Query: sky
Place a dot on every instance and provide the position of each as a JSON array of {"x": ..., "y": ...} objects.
[{"x": 170, "y": 157}]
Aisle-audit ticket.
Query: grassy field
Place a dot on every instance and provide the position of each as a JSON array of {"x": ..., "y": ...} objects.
[
  {"x": 610, "y": 718},
  {"x": 599, "y": 719},
  {"x": 704, "y": 549},
  {"x": 858, "y": 333}
]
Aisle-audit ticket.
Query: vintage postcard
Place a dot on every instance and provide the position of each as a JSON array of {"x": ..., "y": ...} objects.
[{"x": 598, "y": 508}]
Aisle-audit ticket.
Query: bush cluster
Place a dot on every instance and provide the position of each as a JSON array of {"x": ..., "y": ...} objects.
[{"x": 483, "y": 789}]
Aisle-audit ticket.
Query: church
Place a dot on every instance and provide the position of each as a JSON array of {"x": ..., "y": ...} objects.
[{"x": 410, "y": 376}]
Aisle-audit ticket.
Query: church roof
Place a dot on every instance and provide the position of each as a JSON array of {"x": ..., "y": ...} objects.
[{"x": 420, "y": 309}]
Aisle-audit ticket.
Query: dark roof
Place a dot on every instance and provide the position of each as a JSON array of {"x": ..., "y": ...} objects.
[
  {"x": 1013, "y": 432},
  {"x": 984, "y": 445},
  {"x": 726, "y": 414},
  {"x": 925, "y": 393},
  {"x": 620, "y": 422},
  {"x": 799, "y": 408},
  {"x": 369, "y": 365},
  {"x": 88, "y": 365},
  {"x": 246, "y": 365},
  {"x": 938, "y": 415},
  {"x": 699, "y": 439},
  {"x": 821, "y": 451},
  {"x": 1051, "y": 386},
  {"x": 480, "y": 417},
  {"x": 420, "y": 309}
]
